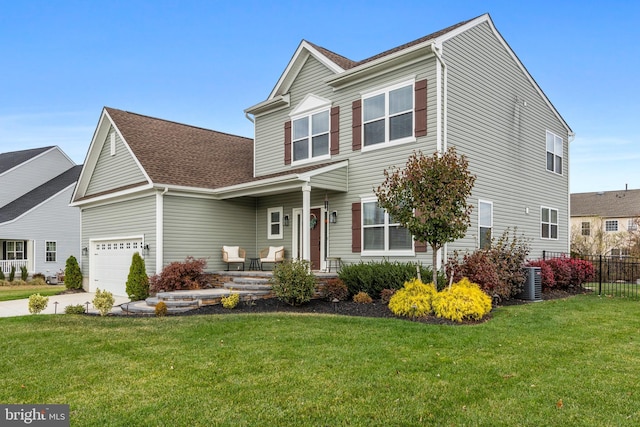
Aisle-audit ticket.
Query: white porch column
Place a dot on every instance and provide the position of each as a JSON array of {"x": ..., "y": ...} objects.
[{"x": 306, "y": 222}]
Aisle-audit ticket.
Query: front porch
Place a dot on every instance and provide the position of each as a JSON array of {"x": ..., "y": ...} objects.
[{"x": 6, "y": 265}]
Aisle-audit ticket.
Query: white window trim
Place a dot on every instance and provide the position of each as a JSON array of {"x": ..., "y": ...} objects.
[
  {"x": 480, "y": 225},
  {"x": 385, "y": 252},
  {"x": 557, "y": 224},
  {"x": 54, "y": 252},
  {"x": 631, "y": 224},
  {"x": 583, "y": 228},
  {"x": 15, "y": 251},
  {"x": 308, "y": 115},
  {"x": 561, "y": 155},
  {"x": 269, "y": 223},
  {"x": 386, "y": 90},
  {"x": 611, "y": 221}
]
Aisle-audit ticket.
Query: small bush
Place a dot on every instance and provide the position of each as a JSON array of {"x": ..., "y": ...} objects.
[
  {"x": 335, "y": 289},
  {"x": 413, "y": 300},
  {"x": 38, "y": 281},
  {"x": 4, "y": 282},
  {"x": 293, "y": 282},
  {"x": 386, "y": 294},
  {"x": 137, "y": 285},
  {"x": 462, "y": 301},
  {"x": 546, "y": 274},
  {"x": 2, "y": 277},
  {"x": 581, "y": 272},
  {"x": 24, "y": 273},
  {"x": 18, "y": 282},
  {"x": 12, "y": 273},
  {"x": 74, "y": 309},
  {"x": 479, "y": 268},
  {"x": 362, "y": 298},
  {"x": 72, "y": 274},
  {"x": 37, "y": 303},
  {"x": 103, "y": 302},
  {"x": 231, "y": 301},
  {"x": 161, "y": 309},
  {"x": 39, "y": 276},
  {"x": 561, "y": 271},
  {"x": 188, "y": 274}
]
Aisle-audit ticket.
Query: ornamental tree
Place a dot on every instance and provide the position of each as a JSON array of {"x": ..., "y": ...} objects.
[{"x": 429, "y": 198}]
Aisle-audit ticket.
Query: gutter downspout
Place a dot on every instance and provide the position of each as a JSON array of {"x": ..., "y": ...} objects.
[
  {"x": 254, "y": 141},
  {"x": 436, "y": 51},
  {"x": 160, "y": 229}
]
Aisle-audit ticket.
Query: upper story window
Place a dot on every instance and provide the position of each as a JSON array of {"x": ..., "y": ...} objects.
[
  {"x": 381, "y": 234},
  {"x": 311, "y": 137},
  {"x": 611, "y": 225},
  {"x": 274, "y": 223},
  {"x": 632, "y": 225},
  {"x": 485, "y": 223},
  {"x": 50, "y": 251},
  {"x": 554, "y": 153},
  {"x": 387, "y": 115},
  {"x": 586, "y": 228},
  {"x": 549, "y": 223}
]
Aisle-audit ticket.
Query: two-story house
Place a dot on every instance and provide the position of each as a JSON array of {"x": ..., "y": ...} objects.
[
  {"x": 38, "y": 229},
  {"x": 605, "y": 222},
  {"x": 323, "y": 137}
]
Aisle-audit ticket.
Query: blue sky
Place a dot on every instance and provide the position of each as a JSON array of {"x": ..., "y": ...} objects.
[{"x": 204, "y": 62}]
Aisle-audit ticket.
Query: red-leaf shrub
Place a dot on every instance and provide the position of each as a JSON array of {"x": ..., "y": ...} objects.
[
  {"x": 548, "y": 280},
  {"x": 180, "y": 276},
  {"x": 479, "y": 268},
  {"x": 581, "y": 272},
  {"x": 561, "y": 267}
]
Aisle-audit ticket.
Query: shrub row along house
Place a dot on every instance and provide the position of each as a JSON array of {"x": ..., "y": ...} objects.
[
  {"x": 323, "y": 138},
  {"x": 38, "y": 228}
]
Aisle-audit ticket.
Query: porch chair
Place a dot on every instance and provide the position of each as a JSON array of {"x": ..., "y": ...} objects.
[
  {"x": 233, "y": 255},
  {"x": 272, "y": 254}
]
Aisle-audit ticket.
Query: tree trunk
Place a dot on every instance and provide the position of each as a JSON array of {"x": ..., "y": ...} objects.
[{"x": 434, "y": 266}]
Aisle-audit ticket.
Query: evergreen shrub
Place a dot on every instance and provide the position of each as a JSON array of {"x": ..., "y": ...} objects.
[
  {"x": 230, "y": 301},
  {"x": 103, "y": 302},
  {"x": 293, "y": 282},
  {"x": 137, "y": 286},
  {"x": 72, "y": 274},
  {"x": 37, "y": 303},
  {"x": 161, "y": 309},
  {"x": 414, "y": 299},
  {"x": 462, "y": 301}
]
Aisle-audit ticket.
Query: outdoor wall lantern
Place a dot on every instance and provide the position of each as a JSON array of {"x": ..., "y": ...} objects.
[
  {"x": 85, "y": 251},
  {"x": 286, "y": 220},
  {"x": 333, "y": 218},
  {"x": 145, "y": 248}
]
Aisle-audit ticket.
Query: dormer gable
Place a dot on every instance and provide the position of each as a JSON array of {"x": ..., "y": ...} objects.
[{"x": 310, "y": 103}]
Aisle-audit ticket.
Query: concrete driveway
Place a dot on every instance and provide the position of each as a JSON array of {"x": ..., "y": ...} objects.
[{"x": 21, "y": 307}]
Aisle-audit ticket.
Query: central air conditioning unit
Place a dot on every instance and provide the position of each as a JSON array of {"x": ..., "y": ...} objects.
[{"x": 532, "y": 285}]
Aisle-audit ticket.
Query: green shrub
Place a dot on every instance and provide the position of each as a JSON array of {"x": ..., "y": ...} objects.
[
  {"x": 37, "y": 282},
  {"x": 24, "y": 273},
  {"x": 179, "y": 276},
  {"x": 74, "y": 309},
  {"x": 37, "y": 303},
  {"x": 335, "y": 289},
  {"x": 362, "y": 298},
  {"x": 462, "y": 301},
  {"x": 103, "y": 302},
  {"x": 137, "y": 280},
  {"x": 161, "y": 309},
  {"x": 373, "y": 277},
  {"x": 231, "y": 301},
  {"x": 12, "y": 273},
  {"x": 2, "y": 277},
  {"x": 293, "y": 282},
  {"x": 414, "y": 299},
  {"x": 72, "y": 274}
]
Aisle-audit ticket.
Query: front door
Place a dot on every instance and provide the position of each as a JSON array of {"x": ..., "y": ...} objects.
[{"x": 315, "y": 238}]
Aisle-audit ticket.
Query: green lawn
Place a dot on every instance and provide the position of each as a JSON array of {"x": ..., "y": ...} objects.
[
  {"x": 8, "y": 293},
  {"x": 571, "y": 362}
]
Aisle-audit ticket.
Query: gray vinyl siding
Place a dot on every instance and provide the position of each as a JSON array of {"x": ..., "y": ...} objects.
[
  {"x": 199, "y": 227},
  {"x": 52, "y": 221},
  {"x": 136, "y": 217},
  {"x": 32, "y": 174},
  {"x": 114, "y": 171},
  {"x": 503, "y": 139}
]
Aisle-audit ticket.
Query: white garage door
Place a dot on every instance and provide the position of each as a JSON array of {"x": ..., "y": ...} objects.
[{"x": 109, "y": 263}]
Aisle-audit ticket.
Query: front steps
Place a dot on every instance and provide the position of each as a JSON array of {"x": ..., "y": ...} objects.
[{"x": 249, "y": 288}]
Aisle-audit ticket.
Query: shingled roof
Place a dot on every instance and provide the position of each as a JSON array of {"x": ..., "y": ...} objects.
[
  {"x": 39, "y": 194},
  {"x": 14, "y": 158},
  {"x": 178, "y": 154},
  {"x": 606, "y": 204}
]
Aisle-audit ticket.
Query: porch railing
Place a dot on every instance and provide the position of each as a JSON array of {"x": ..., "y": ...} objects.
[{"x": 5, "y": 265}]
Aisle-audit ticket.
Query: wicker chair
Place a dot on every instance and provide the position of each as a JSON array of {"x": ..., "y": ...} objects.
[
  {"x": 233, "y": 255},
  {"x": 272, "y": 254}
]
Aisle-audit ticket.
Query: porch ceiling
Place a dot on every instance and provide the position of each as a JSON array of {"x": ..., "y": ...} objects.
[{"x": 332, "y": 177}]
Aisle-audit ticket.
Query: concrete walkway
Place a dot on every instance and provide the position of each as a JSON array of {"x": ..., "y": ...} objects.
[{"x": 20, "y": 307}]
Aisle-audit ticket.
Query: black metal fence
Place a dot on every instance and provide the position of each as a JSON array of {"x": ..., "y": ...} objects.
[{"x": 615, "y": 276}]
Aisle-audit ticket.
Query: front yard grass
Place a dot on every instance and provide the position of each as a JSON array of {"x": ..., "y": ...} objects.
[
  {"x": 570, "y": 362},
  {"x": 12, "y": 292}
]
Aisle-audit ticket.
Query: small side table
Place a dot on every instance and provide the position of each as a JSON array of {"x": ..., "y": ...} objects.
[
  {"x": 254, "y": 264},
  {"x": 335, "y": 261}
]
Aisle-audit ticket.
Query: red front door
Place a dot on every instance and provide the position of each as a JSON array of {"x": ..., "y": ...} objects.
[{"x": 315, "y": 237}]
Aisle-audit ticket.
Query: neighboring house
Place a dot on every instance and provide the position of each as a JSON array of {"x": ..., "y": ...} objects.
[
  {"x": 605, "y": 222},
  {"x": 38, "y": 228},
  {"x": 323, "y": 137}
]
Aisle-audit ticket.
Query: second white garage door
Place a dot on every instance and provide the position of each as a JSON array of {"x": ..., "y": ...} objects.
[{"x": 109, "y": 263}]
